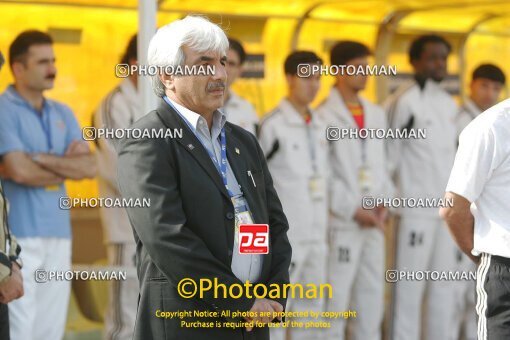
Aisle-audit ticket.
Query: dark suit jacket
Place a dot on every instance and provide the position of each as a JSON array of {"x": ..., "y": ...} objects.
[{"x": 188, "y": 231}]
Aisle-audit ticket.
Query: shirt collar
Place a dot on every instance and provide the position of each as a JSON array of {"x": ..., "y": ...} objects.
[
  {"x": 16, "y": 98},
  {"x": 193, "y": 118},
  {"x": 471, "y": 107},
  {"x": 292, "y": 116},
  {"x": 336, "y": 101},
  {"x": 13, "y": 95}
]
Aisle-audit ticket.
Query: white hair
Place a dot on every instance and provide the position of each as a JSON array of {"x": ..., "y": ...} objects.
[{"x": 195, "y": 32}]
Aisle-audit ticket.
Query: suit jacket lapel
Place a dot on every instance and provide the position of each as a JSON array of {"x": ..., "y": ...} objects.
[
  {"x": 191, "y": 143},
  {"x": 238, "y": 165}
]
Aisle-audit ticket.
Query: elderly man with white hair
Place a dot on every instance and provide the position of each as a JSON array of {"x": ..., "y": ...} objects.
[{"x": 215, "y": 226}]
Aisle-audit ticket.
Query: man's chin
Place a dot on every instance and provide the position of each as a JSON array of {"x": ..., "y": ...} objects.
[
  {"x": 216, "y": 100},
  {"x": 47, "y": 86},
  {"x": 438, "y": 78},
  {"x": 212, "y": 107}
]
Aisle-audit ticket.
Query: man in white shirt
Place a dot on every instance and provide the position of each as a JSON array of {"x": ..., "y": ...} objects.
[
  {"x": 238, "y": 110},
  {"x": 480, "y": 215},
  {"x": 118, "y": 110},
  {"x": 487, "y": 82},
  {"x": 294, "y": 142}
]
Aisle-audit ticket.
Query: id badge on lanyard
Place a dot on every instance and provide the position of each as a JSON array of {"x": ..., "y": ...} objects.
[
  {"x": 242, "y": 214},
  {"x": 46, "y": 125},
  {"x": 317, "y": 187},
  {"x": 365, "y": 178},
  {"x": 316, "y": 183}
]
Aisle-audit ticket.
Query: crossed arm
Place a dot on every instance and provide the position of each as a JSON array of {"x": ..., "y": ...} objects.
[{"x": 47, "y": 169}]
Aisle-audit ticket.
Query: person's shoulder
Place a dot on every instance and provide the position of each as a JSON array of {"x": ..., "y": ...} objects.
[
  {"x": 112, "y": 102},
  {"x": 238, "y": 131},
  {"x": 330, "y": 102},
  {"x": 327, "y": 111},
  {"x": 241, "y": 101},
  {"x": 372, "y": 106},
  {"x": 447, "y": 99},
  {"x": 6, "y": 96},
  {"x": 6, "y": 110},
  {"x": 243, "y": 105},
  {"x": 150, "y": 120},
  {"x": 462, "y": 119},
  {"x": 489, "y": 121},
  {"x": 3, "y": 97},
  {"x": 496, "y": 118},
  {"x": 374, "y": 110},
  {"x": 320, "y": 120},
  {"x": 275, "y": 116},
  {"x": 404, "y": 91},
  {"x": 113, "y": 96}
]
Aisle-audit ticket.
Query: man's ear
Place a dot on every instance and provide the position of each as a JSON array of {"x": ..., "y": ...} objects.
[
  {"x": 17, "y": 69},
  {"x": 472, "y": 86},
  {"x": 290, "y": 79},
  {"x": 168, "y": 81},
  {"x": 416, "y": 65}
]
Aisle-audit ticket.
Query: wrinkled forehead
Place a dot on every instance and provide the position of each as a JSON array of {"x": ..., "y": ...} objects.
[{"x": 194, "y": 56}]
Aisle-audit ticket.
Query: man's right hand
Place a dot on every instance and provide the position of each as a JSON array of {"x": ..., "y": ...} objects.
[
  {"x": 265, "y": 306},
  {"x": 366, "y": 218},
  {"x": 382, "y": 214},
  {"x": 12, "y": 288}
]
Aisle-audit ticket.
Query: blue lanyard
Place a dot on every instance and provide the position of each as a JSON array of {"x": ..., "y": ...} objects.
[
  {"x": 46, "y": 126},
  {"x": 222, "y": 165}
]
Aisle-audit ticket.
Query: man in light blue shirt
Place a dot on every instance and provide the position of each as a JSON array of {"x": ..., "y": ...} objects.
[{"x": 40, "y": 146}]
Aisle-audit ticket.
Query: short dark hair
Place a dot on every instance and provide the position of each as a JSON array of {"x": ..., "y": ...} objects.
[
  {"x": 236, "y": 46},
  {"x": 300, "y": 57},
  {"x": 20, "y": 45},
  {"x": 347, "y": 50},
  {"x": 418, "y": 45},
  {"x": 131, "y": 51},
  {"x": 489, "y": 71}
]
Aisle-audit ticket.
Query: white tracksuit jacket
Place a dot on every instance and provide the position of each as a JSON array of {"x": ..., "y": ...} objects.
[
  {"x": 422, "y": 165},
  {"x": 346, "y": 160}
]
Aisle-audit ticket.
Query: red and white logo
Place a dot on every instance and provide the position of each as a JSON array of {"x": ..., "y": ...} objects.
[{"x": 254, "y": 239}]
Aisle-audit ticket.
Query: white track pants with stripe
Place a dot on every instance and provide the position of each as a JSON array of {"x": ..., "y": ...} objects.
[
  {"x": 356, "y": 272},
  {"x": 424, "y": 244},
  {"x": 308, "y": 266},
  {"x": 121, "y": 311}
]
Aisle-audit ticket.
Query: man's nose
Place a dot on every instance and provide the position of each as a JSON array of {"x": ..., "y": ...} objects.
[
  {"x": 220, "y": 72},
  {"x": 52, "y": 68}
]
